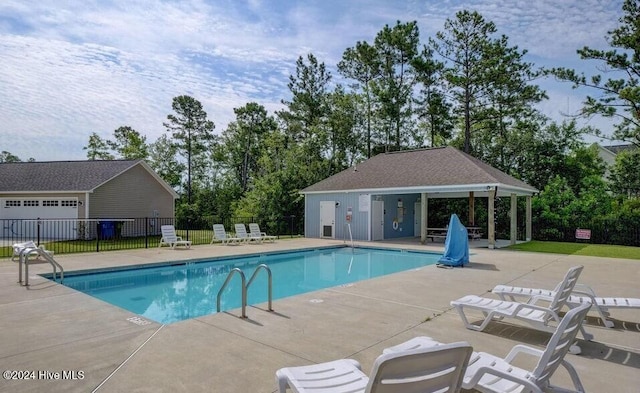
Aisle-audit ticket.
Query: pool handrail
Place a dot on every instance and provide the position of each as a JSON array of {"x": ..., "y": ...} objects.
[
  {"x": 244, "y": 290},
  {"x": 270, "y": 282},
  {"x": 344, "y": 237},
  {"x": 41, "y": 252}
]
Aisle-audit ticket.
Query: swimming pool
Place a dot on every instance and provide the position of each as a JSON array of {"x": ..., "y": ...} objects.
[{"x": 175, "y": 292}]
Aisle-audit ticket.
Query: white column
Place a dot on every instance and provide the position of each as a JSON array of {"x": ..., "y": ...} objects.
[
  {"x": 472, "y": 210},
  {"x": 528, "y": 219},
  {"x": 491, "y": 225},
  {"x": 514, "y": 219}
]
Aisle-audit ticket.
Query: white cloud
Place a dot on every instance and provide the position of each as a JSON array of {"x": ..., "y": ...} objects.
[{"x": 92, "y": 66}]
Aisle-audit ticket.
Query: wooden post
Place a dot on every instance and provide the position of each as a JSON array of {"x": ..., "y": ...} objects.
[{"x": 424, "y": 203}]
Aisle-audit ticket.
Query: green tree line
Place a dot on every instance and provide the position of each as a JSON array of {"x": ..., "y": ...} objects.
[{"x": 467, "y": 87}]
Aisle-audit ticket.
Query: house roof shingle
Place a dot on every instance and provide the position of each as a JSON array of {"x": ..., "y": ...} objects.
[
  {"x": 616, "y": 149},
  {"x": 419, "y": 169},
  {"x": 63, "y": 176}
]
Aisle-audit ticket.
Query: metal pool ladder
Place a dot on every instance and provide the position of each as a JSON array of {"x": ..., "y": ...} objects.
[
  {"x": 269, "y": 282},
  {"x": 245, "y": 287},
  {"x": 24, "y": 260}
]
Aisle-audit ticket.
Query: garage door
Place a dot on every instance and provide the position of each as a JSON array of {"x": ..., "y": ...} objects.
[{"x": 58, "y": 217}]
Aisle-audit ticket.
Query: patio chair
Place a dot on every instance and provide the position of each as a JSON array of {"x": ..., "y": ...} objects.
[
  {"x": 241, "y": 233},
  {"x": 255, "y": 231},
  {"x": 489, "y": 373},
  {"x": 581, "y": 294},
  {"x": 18, "y": 248},
  {"x": 434, "y": 369},
  {"x": 220, "y": 235},
  {"x": 538, "y": 316},
  {"x": 170, "y": 238}
]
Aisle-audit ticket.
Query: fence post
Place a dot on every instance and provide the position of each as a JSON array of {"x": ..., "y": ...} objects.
[
  {"x": 38, "y": 231},
  {"x": 146, "y": 232},
  {"x": 291, "y": 233},
  {"x": 98, "y": 233}
]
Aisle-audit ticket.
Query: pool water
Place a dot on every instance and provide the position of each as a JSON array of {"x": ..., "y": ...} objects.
[{"x": 176, "y": 292}]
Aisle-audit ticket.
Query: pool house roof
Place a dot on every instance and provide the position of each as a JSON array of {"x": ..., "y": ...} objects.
[{"x": 442, "y": 172}]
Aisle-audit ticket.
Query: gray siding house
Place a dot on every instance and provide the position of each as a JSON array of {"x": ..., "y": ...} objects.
[
  {"x": 609, "y": 154},
  {"x": 382, "y": 197},
  {"x": 79, "y": 190}
]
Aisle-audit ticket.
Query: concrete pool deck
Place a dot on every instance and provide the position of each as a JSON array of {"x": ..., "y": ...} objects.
[{"x": 52, "y": 329}]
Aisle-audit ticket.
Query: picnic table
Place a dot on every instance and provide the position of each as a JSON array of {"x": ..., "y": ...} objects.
[
  {"x": 441, "y": 233},
  {"x": 436, "y": 233},
  {"x": 474, "y": 232}
]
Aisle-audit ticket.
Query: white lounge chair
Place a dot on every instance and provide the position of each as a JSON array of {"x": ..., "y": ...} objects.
[
  {"x": 581, "y": 294},
  {"x": 170, "y": 238},
  {"x": 19, "y": 247},
  {"x": 220, "y": 235},
  {"x": 241, "y": 233},
  {"x": 539, "y": 317},
  {"x": 489, "y": 373},
  {"x": 434, "y": 369},
  {"x": 414, "y": 343},
  {"x": 255, "y": 231}
]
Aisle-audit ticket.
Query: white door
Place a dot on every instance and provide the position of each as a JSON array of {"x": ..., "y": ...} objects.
[
  {"x": 417, "y": 218},
  {"x": 328, "y": 219},
  {"x": 377, "y": 220}
]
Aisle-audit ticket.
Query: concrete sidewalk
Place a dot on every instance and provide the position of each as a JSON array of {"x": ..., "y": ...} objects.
[{"x": 52, "y": 329}]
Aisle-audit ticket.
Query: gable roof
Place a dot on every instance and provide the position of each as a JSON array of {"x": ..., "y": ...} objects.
[
  {"x": 616, "y": 149},
  {"x": 65, "y": 176},
  {"x": 437, "y": 170}
]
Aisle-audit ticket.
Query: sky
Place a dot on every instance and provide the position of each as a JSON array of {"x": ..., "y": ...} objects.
[{"x": 71, "y": 68}]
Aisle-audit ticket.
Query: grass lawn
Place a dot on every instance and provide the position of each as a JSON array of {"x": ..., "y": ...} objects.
[{"x": 594, "y": 250}]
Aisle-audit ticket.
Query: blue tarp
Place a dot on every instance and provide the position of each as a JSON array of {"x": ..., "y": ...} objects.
[{"x": 456, "y": 246}]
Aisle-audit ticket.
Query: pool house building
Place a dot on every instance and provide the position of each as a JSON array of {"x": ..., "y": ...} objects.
[{"x": 384, "y": 197}]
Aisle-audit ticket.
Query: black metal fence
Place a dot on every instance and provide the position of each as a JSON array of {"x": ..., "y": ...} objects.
[
  {"x": 95, "y": 235},
  {"x": 620, "y": 231}
]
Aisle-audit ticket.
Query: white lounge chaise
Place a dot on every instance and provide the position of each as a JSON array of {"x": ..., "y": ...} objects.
[
  {"x": 220, "y": 235},
  {"x": 18, "y": 248},
  {"x": 255, "y": 232},
  {"x": 241, "y": 233},
  {"x": 581, "y": 294},
  {"x": 434, "y": 369},
  {"x": 541, "y": 317},
  {"x": 170, "y": 238},
  {"x": 490, "y": 373}
]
